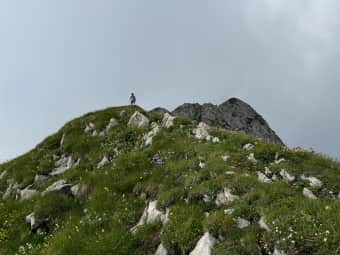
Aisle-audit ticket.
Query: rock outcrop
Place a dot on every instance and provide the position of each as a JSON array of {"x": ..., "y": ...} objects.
[{"x": 233, "y": 114}]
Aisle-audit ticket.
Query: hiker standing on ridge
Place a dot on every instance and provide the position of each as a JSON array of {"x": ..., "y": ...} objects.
[{"x": 132, "y": 99}]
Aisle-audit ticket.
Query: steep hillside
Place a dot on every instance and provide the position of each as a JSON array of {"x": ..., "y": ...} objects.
[{"x": 125, "y": 181}]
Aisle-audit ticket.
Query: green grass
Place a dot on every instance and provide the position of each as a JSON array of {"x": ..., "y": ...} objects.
[{"x": 100, "y": 221}]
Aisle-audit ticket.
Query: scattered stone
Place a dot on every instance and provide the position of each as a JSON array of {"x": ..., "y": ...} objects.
[
  {"x": 168, "y": 120},
  {"x": 216, "y": 140},
  {"x": 279, "y": 161},
  {"x": 122, "y": 113},
  {"x": 3, "y": 174},
  {"x": 12, "y": 186},
  {"x": 248, "y": 147},
  {"x": 225, "y": 158},
  {"x": 308, "y": 193},
  {"x": 252, "y": 158},
  {"x": 207, "y": 198},
  {"x": 89, "y": 127},
  {"x": 204, "y": 245},
  {"x": 80, "y": 190},
  {"x": 148, "y": 138},
  {"x": 138, "y": 120},
  {"x": 38, "y": 179},
  {"x": 103, "y": 162},
  {"x": 27, "y": 194},
  {"x": 263, "y": 224},
  {"x": 201, "y": 165},
  {"x": 267, "y": 172},
  {"x": 286, "y": 176},
  {"x": 61, "y": 186},
  {"x": 64, "y": 164},
  {"x": 202, "y": 131},
  {"x": 313, "y": 182},
  {"x": 263, "y": 178},
  {"x": 278, "y": 252},
  {"x": 229, "y": 172},
  {"x": 113, "y": 122},
  {"x": 229, "y": 211},
  {"x": 242, "y": 223},
  {"x": 62, "y": 140},
  {"x": 161, "y": 250},
  {"x": 150, "y": 215},
  {"x": 35, "y": 223},
  {"x": 225, "y": 197},
  {"x": 95, "y": 133}
]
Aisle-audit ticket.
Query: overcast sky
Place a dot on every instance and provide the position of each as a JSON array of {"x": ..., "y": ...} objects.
[{"x": 62, "y": 58}]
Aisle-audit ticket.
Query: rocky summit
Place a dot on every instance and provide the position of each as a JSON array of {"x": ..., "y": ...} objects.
[
  {"x": 126, "y": 181},
  {"x": 233, "y": 114}
]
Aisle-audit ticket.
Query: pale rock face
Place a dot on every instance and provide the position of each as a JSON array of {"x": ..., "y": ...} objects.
[
  {"x": 60, "y": 186},
  {"x": 3, "y": 174},
  {"x": 40, "y": 178},
  {"x": 225, "y": 158},
  {"x": 308, "y": 193},
  {"x": 263, "y": 224},
  {"x": 229, "y": 211},
  {"x": 201, "y": 165},
  {"x": 150, "y": 215},
  {"x": 286, "y": 176},
  {"x": 278, "y": 252},
  {"x": 263, "y": 178},
  {"x": 168, "y": 120},
  {"x": 267, "y": 171},
  {"x": 34, "y": 222},
  {"x": 204, "y": 245},
  {"x": 27, "y": 194},
  {"x": 225, "y": 197},
  {"x": 161, "y": 250},
  {"x": 313, "y": 182},
  {"x": 202, "y": 131},
  {"x": 62, "y": 140},
  {"x": 12, "y": 186},
  {"x": 248, "y": 147},
  {"x": 242, "y": 223},
  {"x": 279, "y": 161},
  {"x": 148, "y": 138},
  {"x": 103, "y": 162},
  {"x": 113, "y": 122},
  {"x": 216, "y": 140},
  {"x": 229, "y": 172},
  {"x": 79, "y": 190},
  {"x": 64, "y": 164},
  {"x": 252, "y": 158},
  {"x": 138, "y": 120},
  {"x": 90, "y": 127}
]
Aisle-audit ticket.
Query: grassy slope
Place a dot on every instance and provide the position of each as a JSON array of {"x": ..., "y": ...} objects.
[{"x": 100, "y": 223}]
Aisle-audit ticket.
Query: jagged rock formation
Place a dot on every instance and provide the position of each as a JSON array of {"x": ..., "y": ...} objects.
[{"x": 233, "y": 114}]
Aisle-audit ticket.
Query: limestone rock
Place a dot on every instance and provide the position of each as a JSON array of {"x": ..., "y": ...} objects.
[
  {"x": 150, "y": 215},
  {"x": 248, "y": 147},
  {"x": 252, "y": 158},
  {"x": 3, "y": 174},
  {"x": 148, "y": 138},
  {"x": 204, "y": 245},
  {"x": 225, "y": 197},
  {"x": 161, "y": 250},
  {"x": 64, "y": 164},
  {"x": 35, "y": 223},
  {"x": 263, "y": 224},
  {"x": 61, "y": 186},
  {"x": 308, "y": 193},
  {"x": 38, "y": 179},
  {"x": 225, "y": 158},
  {"x": 80, "y": 190},
  {"x": 313, "y": 182},
  {"x": 103, "y": 162},
  {"x": 242, "y": 223},
  {"x": 62, "y": 140},
  {"x": 286, "y": 176},
  {"x": 27, "y": 193},
  {"x": 233, "y": 114},
  {"x": 263, "y": 178},
  {"x": 202, "y": 131},
  {"x": 89, "y": 127},
  {"x": 113, "y": 122},
  {"x": 168, "y": 120},
  {"x": 11, "y": 189},
  {"x": 278, "y": 252},
  {"x": 138, "y": 120}
]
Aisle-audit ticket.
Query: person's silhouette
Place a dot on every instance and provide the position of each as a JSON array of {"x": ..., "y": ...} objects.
[{"x": 132, "y": 99}]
